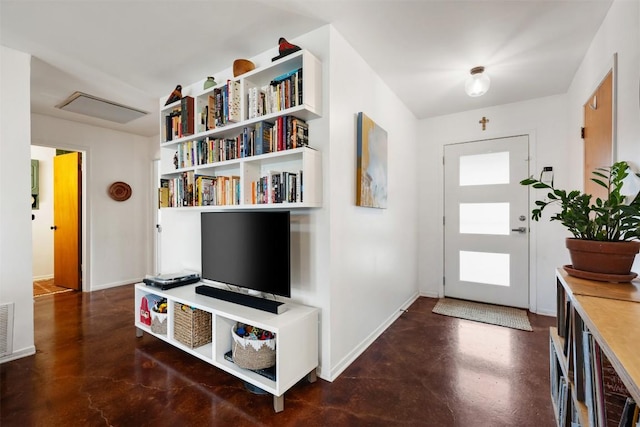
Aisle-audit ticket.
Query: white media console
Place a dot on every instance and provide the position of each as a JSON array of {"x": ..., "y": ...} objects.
[{"x": 296, "y": 334}]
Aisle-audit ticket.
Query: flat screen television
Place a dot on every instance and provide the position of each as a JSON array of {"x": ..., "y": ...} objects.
[{"x": 248, "y": 249}]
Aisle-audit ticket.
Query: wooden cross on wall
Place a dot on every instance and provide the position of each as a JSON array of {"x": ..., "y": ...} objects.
[{"x": 484, "y": 122}]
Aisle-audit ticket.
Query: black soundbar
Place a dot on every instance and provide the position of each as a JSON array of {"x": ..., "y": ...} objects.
[{"x": 271, "y": 306}]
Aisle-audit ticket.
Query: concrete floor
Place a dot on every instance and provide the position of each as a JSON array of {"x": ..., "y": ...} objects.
[{"x": 425, "y": 370}]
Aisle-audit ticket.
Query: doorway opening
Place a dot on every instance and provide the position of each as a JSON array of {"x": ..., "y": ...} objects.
[{"x": 58, "y": 220}]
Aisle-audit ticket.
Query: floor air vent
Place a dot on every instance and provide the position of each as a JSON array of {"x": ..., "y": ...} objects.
[{"x": 6, "y": 329}]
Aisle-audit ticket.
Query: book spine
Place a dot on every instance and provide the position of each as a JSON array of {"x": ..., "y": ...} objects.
[
  {"x": 299, "y": 86},
  {"x": 211, "y": 112},
  {"x": 168, "y": 130},
  {"x": 234, "y": 100},
  {"x": 187, "y": 115}
]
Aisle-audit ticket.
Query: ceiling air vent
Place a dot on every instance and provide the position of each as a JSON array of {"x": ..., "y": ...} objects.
[{"x": 93, "y": 106}]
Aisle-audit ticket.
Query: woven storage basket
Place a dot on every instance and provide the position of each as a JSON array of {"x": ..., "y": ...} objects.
[
  {"x": 253, "y": 354},
  {"x": 158, "y": 323},
  {"x": 191, "y": 326}
]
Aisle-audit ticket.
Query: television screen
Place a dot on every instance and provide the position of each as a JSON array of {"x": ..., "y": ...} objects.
[{"x": 249, "y": 249}]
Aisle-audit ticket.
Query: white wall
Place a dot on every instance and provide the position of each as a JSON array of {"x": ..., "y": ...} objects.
[
  {"x": 619, "y": 33},
  {"x": 373, "y": 252},
  {"x": 118, "y": 234},
  {"x": 15, "y": 200},
  {"x": 545, "y": 121},
  {"x": 42, "y": 238}
]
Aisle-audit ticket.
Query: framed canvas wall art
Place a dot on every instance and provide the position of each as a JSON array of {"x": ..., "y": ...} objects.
[{"x": 371, "y": 170}]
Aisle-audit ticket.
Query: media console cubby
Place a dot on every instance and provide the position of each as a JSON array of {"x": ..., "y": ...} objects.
[{"x": 296, "y": 334}]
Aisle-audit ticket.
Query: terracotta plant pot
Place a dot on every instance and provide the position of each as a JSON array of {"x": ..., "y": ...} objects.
[{"x": 613, "y": 258}]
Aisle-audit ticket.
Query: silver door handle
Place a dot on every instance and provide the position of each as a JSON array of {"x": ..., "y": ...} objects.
[{"x": 520, "y": 229}]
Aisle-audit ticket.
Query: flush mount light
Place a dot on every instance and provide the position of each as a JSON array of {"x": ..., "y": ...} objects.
[
  {"x": 93, "y": 106},
  {"x": 478, "y": 82}
]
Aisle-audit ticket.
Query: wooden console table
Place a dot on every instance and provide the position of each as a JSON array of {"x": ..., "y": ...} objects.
[{"x": 610, "y": 312}]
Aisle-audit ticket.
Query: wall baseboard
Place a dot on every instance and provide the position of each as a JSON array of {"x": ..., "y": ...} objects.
[
  {"x": 360, "y": 348},
  {"x": 114, "y": 284},
  {"x": 429, "y": 294},
  {"x": 551, "y": 313},
  {"x": 29, "y": 351}
]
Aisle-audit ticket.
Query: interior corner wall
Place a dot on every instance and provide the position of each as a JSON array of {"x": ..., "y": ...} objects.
[
  {"x": 619, "y": 34},
  {"x": 360, "y": 264},
  {"x": 545, "y": 121},
  {"x": 373, "y": 252},
  {"x": 15, "y": 204},
  {"x": 118, "y": 234}
]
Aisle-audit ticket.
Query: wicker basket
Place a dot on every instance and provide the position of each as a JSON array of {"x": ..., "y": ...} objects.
[
  {"x": 252, "y": 354},
  {"x": 191, "y": 326},
  {"x": 158, "y": 323}
]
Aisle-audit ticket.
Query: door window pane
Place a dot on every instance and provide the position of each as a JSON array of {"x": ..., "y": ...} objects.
[
  {"x": 484, "y": 218},
  {"x": 484, "y": 267},
  {"x": 484, "y": 169}
]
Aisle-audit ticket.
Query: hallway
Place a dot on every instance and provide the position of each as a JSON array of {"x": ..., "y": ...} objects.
[{"x": 426, "y": 370}]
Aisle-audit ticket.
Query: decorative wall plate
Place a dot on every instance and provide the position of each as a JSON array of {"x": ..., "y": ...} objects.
[{"x": 120, "y": 191}]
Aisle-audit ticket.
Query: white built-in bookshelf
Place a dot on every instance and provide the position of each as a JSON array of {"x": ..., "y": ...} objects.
[{"x": 246, "y": 142}]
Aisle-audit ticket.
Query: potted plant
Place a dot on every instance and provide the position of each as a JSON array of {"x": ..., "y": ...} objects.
[{"x": 605, "y": 231}]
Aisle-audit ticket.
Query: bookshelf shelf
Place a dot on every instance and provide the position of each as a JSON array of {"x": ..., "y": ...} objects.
[
  {"x": 242, "y": 132},
  {"x": 595, "y": 346}
]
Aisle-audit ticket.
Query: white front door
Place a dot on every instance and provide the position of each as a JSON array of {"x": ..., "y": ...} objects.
[{"x": 486, "y": 231}]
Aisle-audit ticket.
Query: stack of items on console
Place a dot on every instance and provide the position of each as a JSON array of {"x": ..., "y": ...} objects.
[{"x": 172, "y": 280}]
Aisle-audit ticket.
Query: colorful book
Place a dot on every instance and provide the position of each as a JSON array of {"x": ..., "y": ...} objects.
[{"x": 234, "y": 101}]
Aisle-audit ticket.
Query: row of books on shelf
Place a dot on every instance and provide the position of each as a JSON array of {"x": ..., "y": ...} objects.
[
  {"x": 606, "y": 397},
  {"x": 179, "y": 122},
  {"x": 596, "y": 382},
  {"x": 286, "y": 133},
  {"x": 190, "y": 189},
  {"x": 278, "y": 187},
  {"x": 284, "y": 91},
  {"x": 222, "y": 107}
]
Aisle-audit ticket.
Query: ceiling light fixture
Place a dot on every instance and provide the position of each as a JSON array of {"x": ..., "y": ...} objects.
[{"x": 477, "y": 83}]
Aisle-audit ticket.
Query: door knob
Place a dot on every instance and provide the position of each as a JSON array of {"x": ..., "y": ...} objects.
[
  {"x": 520, "y": 229},
  {"x": 54, "y": 227}
]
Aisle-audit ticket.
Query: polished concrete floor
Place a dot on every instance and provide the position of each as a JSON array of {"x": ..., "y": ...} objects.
[{"x": 425, "y": 370}]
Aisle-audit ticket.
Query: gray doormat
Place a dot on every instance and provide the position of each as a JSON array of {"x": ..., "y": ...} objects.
[{"x": 486, "y": 313}]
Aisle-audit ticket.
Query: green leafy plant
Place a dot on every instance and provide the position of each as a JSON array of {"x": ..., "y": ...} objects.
[{"x": 615, "y": 218}]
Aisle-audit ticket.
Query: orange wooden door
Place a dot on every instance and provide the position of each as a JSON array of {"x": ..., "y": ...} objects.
[
  {"x": 598, "y": 134},
  {"x": 67, "y": 220}
]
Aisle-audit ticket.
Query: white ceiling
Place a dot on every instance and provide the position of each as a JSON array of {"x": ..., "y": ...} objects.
[{"x": 135, "y": 52}]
